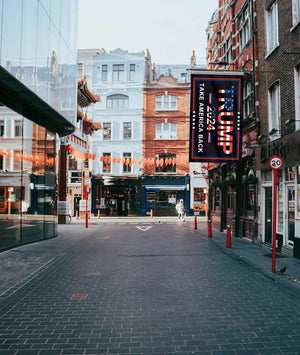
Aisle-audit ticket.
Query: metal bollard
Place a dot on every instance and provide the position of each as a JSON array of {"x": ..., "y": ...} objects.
[
  {"x": 209, "y": 229},
  {"x": 228, "y": 237},
  {"x": 195, "y": 222},
  {"x": 99, "y": 214}
]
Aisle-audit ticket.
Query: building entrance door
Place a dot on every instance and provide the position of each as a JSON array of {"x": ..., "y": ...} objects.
[
  {"x": 268, "y": 215},
  {"x": 2, "y": 199},
  {"x": 290, "y": 215}
]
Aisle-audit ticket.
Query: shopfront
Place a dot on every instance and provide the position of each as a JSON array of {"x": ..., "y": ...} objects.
[
  {"x": 288, "y": 194},
  {"x": 160, "y": 195}
]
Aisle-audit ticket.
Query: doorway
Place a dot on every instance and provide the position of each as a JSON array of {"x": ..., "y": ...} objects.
[
  {"x": 290, "y": 215},
  {"x": 268, "y": 215}
]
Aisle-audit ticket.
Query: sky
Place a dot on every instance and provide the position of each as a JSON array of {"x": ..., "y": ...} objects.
[{"x": 170, "y": 29}]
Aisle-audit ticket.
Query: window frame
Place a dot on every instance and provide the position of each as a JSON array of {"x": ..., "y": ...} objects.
[
  {"x": 18, "y": 128},
  {"x": 118, "y": 72},
  {"x": 127, "y": 166},
  {"x": 297, "y": 95},
  {"x": 165, "y": 102},
  {"x": 106, "y": 163},
  {"x": 272, "y": 28},
  {"x": 165, "y": 133},
  {"x": 274, "y": 120},
  {"x": 167, "y": 168},
  {"x": 117, "y": 101},
  {"x": 104, "y": 72},
  {"x": 295, "y": 13},
  {"x": 127, "y": 131},
  {"x": 107, "y": 131},
  {"x": 132, "y": 71},
  {"x": 2, "y": 128}
]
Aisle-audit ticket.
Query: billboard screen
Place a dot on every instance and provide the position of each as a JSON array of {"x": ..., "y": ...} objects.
[{"x": 216, "y": 116}]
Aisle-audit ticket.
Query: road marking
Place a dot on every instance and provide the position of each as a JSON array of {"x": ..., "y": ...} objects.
[{"x": 144, "y": 229}]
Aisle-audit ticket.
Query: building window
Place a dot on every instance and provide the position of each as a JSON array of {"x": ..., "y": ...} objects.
[
  {"x": 132, "y": 72},
  {"x": 17, "y": 160},
  {"x": 274, "y": 109},
  {"x": 296, "y": 11},
  {"x": 106, "y": 131},
  {"x": 106, "y": 162},
  {"x": 117, "y": 101},
  {"x": 165, "y": 131},
  {"x": 297, "y": 96},
  {"x": 76, "y": 177},
  {"x": 18, "y": 128},
  {"x": 127, "y": 130},
  {"x": 80, "y": 69},
  {"x": 165, "y": 163},
  {"x": 166, "y": 102},
  {"x": 216, "y": 200},
  {"x": 244, "y": 28},
  {"x": 248, "y": 99},
  {"x": 72, "y": 164},
  {"x": 1, "y": 128},
  {"x": 104, "y": 73},
  {"x": 126, "y": 162},
  {"x": 118, "y": 72},
  {"x": 227, "y": 48},
  {"x": 272, "y": 36}
]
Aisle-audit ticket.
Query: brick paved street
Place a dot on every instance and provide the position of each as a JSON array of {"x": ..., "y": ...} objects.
[{"x": 129, "y": 288}]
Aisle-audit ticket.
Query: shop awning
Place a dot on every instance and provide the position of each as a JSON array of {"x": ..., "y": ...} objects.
[{"x": 165, "y": 187}]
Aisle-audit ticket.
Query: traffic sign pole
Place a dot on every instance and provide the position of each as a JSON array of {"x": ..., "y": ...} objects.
[{"x": 275, "y": 163}]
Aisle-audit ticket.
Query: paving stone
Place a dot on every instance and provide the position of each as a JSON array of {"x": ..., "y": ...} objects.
[{"x": 165, "y": 290}]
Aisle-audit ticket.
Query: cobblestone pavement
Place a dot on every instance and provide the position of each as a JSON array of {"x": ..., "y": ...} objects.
[{"x": 141, "y": 288}]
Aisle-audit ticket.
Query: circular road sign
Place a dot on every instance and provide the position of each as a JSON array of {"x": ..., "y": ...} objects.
[{"x": 275, "y": 162}]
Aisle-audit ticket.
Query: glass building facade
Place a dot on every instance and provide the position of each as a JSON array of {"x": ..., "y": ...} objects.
[{"x": 38, "y": 100}]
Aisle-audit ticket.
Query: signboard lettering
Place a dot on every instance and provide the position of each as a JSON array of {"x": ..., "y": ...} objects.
[{"x": 216, "y": 117}]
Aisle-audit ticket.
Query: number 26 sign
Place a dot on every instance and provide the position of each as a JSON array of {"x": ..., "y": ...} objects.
[{"x": 275, "y": 162}]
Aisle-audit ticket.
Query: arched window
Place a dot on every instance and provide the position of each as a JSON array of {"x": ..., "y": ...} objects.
[
  {"x": 117, "y": 101},
  {"x": 166, "y": 102}
]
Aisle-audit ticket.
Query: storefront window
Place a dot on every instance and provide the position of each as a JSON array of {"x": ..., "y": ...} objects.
[
  {"x": 200, "y": 202},
  {"x": 250, "y": 200},
  {"x": 162, "y": 198},
  {"x": 298, "y": 192},
  {"x": 27, "y": 185}
]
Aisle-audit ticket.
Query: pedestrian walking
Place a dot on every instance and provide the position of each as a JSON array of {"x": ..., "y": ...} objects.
[{"x": 180, "y": 210}]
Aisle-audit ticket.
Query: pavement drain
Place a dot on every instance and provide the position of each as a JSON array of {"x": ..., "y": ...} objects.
[
  {"x": 79, "y": 297},
  {"x": 92, "y": 274}
]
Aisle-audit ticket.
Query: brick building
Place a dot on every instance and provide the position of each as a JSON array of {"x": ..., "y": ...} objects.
[
  {"x": 165, "y": 176},
  {"x": 232, "y": 46},
  {"x": 279, "y": 102}
]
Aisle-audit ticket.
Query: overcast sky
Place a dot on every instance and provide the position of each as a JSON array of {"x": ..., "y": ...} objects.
[{"x": 170, "y": 29}]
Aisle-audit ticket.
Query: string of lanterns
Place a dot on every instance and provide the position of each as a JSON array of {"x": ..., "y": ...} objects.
[
  {"x": 128, "y": 161},
  {"x": 30, "y": 158},
  {"x": 104, "y": 158}
]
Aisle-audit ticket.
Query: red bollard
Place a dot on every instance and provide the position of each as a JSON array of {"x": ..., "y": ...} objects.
[
  {"x": 228, "y": 237},
  {"x": 151, "y": 214},
  {"x": 195, "y": 222},
  {"x": 209, "y": 229},
  {"x": 99, "y": 214}
]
